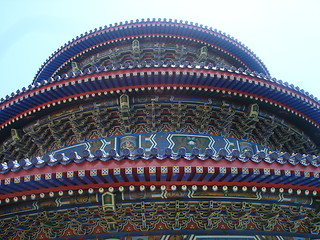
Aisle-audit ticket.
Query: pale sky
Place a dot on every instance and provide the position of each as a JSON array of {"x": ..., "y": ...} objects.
[{"x": 284, "y": 34}]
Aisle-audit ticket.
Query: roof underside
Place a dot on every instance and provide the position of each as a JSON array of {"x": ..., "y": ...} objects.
[{"x": 290, "y": 106}]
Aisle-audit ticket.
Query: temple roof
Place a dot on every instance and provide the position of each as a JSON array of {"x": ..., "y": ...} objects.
[
  {"x": 57, "y": 83},
  {"x": 116, "y": 33},
  {"x": 253, "y": 82},
  {"x": 297, "y": 107},
  {"x": 155, "y": 127}
]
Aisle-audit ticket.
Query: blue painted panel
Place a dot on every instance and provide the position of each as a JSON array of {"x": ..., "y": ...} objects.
[{"x": 161, "y": 141}]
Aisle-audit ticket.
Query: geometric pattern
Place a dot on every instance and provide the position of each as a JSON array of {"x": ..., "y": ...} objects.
[
  {"x": 88, "y": 217},
  {"x": 154, "y": 130}
]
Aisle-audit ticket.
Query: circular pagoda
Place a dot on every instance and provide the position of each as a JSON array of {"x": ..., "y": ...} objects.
[{"x": 158, "y": 129}]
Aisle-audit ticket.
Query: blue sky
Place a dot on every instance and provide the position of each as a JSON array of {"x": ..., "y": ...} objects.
[{"x": 285, "y": 35}]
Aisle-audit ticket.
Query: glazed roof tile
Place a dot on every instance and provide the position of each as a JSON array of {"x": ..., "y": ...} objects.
[
  {"x": 100, "y": 155},
  {"x": 241, "y": 83},
  {"x": 149, "y": 27},
  {"x": 256, "y": 170}
]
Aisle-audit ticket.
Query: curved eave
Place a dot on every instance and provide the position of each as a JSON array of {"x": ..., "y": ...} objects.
[
  {"x": 104, "y": 170},
  {"x": 99, "y": 83},
  {"x": 114, "y": 33}
]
